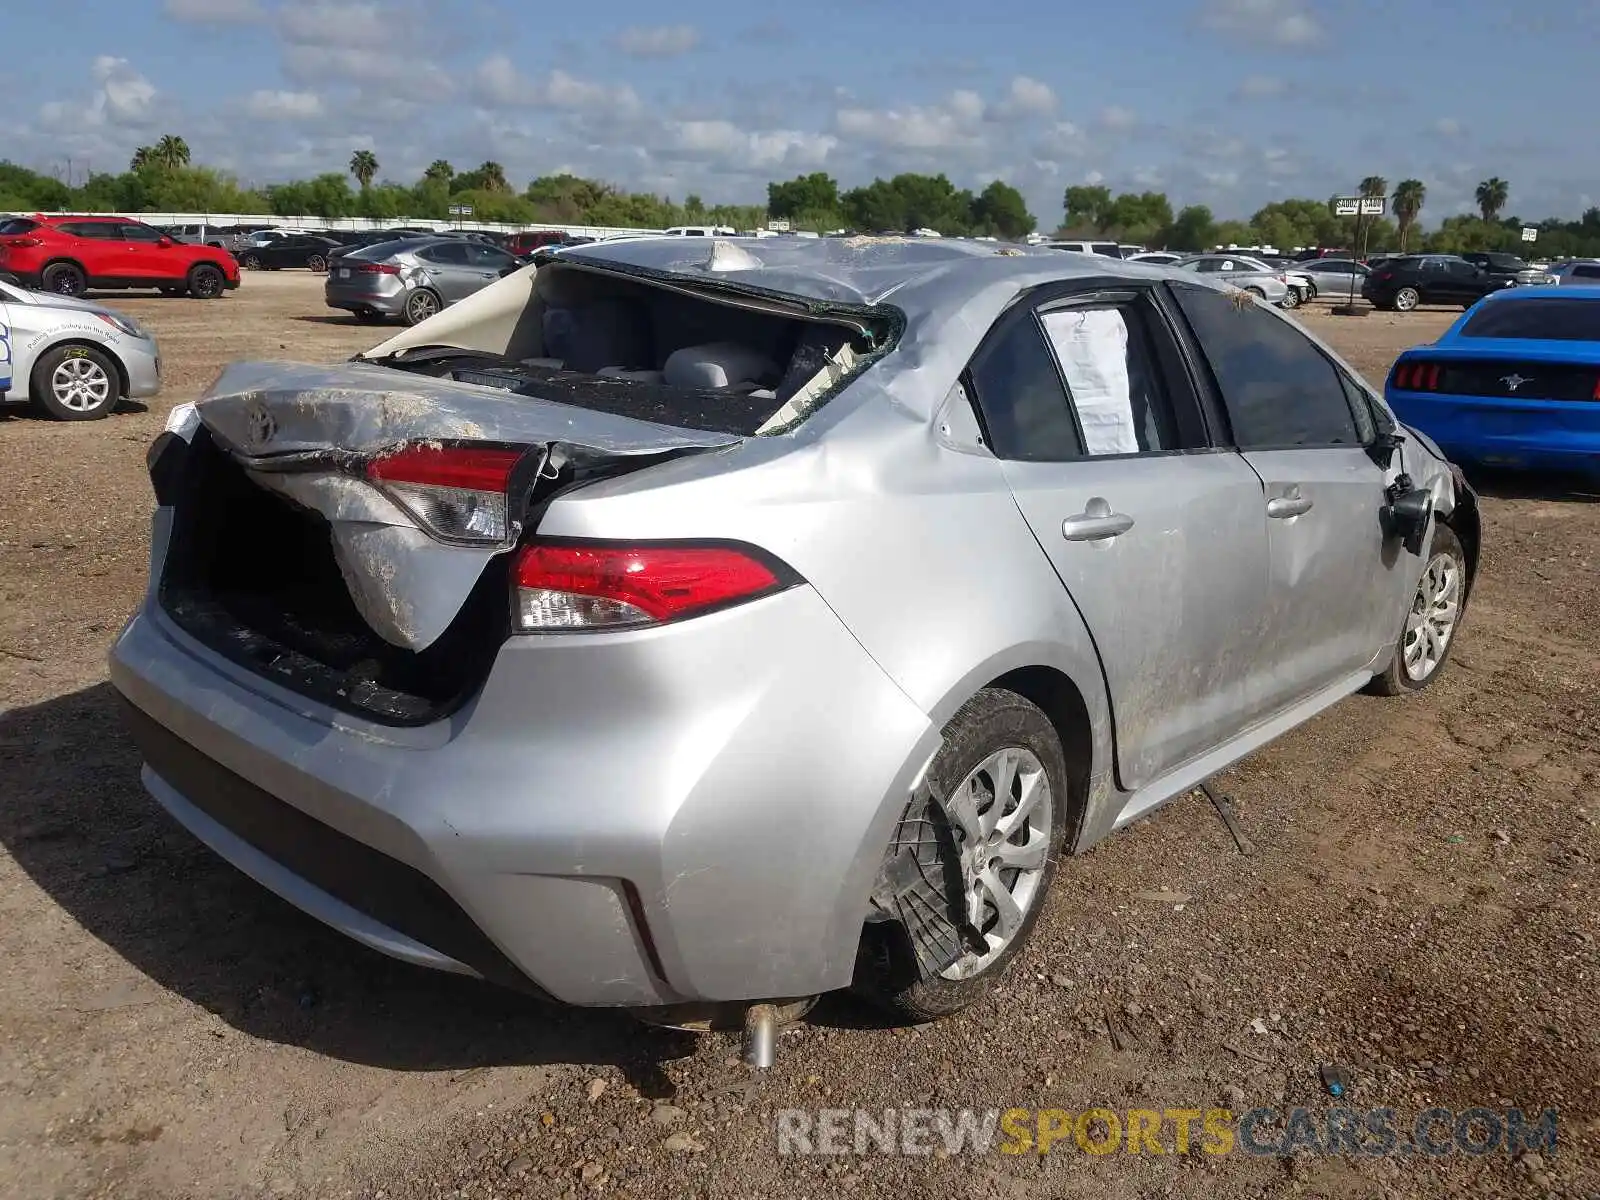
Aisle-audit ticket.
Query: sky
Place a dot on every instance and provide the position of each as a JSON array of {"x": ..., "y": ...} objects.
[{"x": 1229, "y": 103}]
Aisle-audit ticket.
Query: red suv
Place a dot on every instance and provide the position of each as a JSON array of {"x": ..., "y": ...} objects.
[{"x": 70, "y": 255}]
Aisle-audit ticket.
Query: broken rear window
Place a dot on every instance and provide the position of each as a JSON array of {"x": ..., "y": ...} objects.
[{"x": 619, "y": 344}]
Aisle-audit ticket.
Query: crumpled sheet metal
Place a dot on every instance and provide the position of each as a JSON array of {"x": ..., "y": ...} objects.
[{"x": 267, "y": 408}]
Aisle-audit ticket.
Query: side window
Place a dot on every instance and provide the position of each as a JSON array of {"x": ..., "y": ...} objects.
[
  {"x": 1583, "y": 271},
  {"x": 481, "y": 254},
  {"x": 1279, "y": 390},
  {"x": 1020, "y": 394},
  {"x": 139, "y": 233},
  {"x": 1113, "y": 382},
  {"x": 98, "y": 230},
  {"x": 448, "y": 253}
]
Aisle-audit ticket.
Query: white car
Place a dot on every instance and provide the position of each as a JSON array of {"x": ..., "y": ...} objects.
[{"x": 73, "y": 359}]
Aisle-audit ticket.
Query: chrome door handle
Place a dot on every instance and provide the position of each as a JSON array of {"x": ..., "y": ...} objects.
[
  {"x": 1096, "y": 523},
  {"x": 1284, "y": 507}
]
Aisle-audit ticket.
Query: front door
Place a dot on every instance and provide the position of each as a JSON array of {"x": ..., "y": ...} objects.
[
  {"x": 1337, "y": 586},
  {"x": 143, "y": 254},
  {"x": 1160, "y": 542}
]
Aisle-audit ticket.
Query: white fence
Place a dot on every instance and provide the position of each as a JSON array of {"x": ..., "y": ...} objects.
[{"x": 359, "y": 223}]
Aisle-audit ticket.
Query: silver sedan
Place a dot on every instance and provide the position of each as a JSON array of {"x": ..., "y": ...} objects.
[
  {"x": 73, "y": 359},
  {"x": 413, "y": 279},
  {"x": 731, "y": 622},
  {"x": 1246, "y": 274}
]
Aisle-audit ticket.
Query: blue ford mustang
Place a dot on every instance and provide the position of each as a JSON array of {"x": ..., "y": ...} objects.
[{"x": 1515, "y": 382}]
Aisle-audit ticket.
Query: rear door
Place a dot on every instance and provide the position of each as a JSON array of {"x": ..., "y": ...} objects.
[
  {"x": 1160, "y": 541},
  {"x": 1336, "y": 590},
  {"x": 449, "y": 272}
]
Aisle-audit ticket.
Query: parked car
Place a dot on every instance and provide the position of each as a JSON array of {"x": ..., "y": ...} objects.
[
  {"x": 675, "y": 681},
  {"x": 70, "y": 358},
  {"x": 529, "y": 240},
  {"x": 351, "y": 242},
  {"x": 1515, "y": 382},
  {"x": 1336, "y": 276},
  {"x": 1316, "y": 252},
  {"x": 1585, "y": 274},
  {"x": 1108, "y": 249},
  {"x": 413, "y": 280},
  {"x": 1400, "y": 284},
  {"x": 71, "y": 254},
  {"x": 1160, "y": 258},
  {"x": 298, "y": 250},
  {"x": 1508, "y": 268},
  {"x": 200, "y": 234},
  {"x": 1247, "y": 274}
]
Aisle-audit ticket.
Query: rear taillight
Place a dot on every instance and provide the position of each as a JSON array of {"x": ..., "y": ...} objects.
[
  {"x": 1385, "y": 276},
  {"x": 1417, "y": 377},
  {"x": 1596, "y": 394},
  {"x": 20, "y": 243},
  {"x": 456, "y": 493},
  {"x": 377, "y": 269},
  {"x": 606, "y": 585}
]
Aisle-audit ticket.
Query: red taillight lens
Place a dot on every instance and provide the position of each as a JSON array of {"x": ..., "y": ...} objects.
[
  {"x": 377, "y": 269},
  {"x": 1429, "y": 376},
  {"x": 456, "y": 493},
  {"x": 1402, "y": 375},
  {"x": 1596, "y": 394},
  {"x": 20, "y": 243},
  {"x": 601, "y": 585}
]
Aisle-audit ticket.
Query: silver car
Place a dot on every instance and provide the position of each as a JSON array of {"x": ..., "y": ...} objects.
[
  {"x": 413, "y": 279},
  {"x": 72, "y": 359},
  {"x": 735, "y": 621},
  {"x": 1246, "y": 273}
]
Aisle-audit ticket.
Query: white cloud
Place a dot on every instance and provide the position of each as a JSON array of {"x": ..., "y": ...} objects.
[
  {"x": 1261, "y": 87},
  {"x": 1286, "y": 23},
  {"x": 122, "y": 98},
  {"x": 1447, "y": 127},
  {"x": 657, "y": 41},
  {"x": 213, "y": 12},
  {"x": 1117, "y": 119},
  {"x": 283, "y": 106},
  {"x": 501, "y": 84},
  {"x": 945, "y": 126},
  {"x": 1029, "y": 97},
  {"x": 749, "y": 149}
]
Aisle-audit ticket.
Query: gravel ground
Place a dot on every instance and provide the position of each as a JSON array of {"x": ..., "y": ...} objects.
[{"x": 1420, "y": 908}]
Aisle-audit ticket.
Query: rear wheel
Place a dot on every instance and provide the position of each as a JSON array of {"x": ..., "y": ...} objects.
[
  {"x": 251, "y": 262},
  {"x": 421, "y": 305},
  {"x": 1291, "y": 298},
  {"x": 206, "y": 282},
  {"x": 76, "y": 383},
  {"x": 1256, "y": 292},
  {"x": 1429, "y": 632},
  {"x": 317, "y": 263},
  {"x": 64, "y": 279},
  {"x": 1406, "y": 299},
  {"x": 971, "y": 861}
]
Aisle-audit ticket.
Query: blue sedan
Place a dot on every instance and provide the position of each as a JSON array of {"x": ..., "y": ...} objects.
[{"x": 1515, "y": 382}]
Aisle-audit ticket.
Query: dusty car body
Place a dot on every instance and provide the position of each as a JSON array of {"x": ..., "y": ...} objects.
[
  {"x": 412, "y": 280},
  {"x": 72, "y": 358},
  {"x": 620, "y": 632}
]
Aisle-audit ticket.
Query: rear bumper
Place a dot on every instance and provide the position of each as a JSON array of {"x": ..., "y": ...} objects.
[
  {"x": 385, "y": 304},
  {"x": 692, "y": 814},
  {"x": 1557, "y": 435}
]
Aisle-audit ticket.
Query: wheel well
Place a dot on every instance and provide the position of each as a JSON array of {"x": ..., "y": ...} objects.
[
  {"x": 63, "y": 261},
  {"x": 116, "y": 363},
  {"x": 1466, "y": 523},
  {"x": 1060, "y": 700}
]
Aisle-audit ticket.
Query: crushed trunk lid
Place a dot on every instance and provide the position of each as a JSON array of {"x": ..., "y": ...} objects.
[{"x": 298, "y": 429}]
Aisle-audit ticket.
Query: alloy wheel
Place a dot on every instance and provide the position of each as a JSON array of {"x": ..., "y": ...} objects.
[
  {"x": 1432, "y": 620},
  {"x": 80, "y": 384}
]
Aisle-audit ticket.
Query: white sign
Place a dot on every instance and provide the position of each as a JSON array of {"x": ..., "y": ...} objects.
[
  {"x": 1530, "y": 234},
  {"x": 1346, "y": 206},
  {"x": 461, "y": 210},
  {"x": 778, "y": 225},
  {"x": 1373, "y": 206}
]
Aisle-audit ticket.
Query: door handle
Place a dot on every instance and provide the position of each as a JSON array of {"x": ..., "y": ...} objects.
[
  {"x": 1294, "y": 505},
  {"x": 1096, "y": 523}
]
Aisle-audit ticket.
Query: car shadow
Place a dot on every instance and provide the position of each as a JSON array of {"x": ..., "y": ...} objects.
[
  {"x": 341, "y": 322},
  {"x": 78, "y": 822},
  {"x": 1502, "y": 484}
]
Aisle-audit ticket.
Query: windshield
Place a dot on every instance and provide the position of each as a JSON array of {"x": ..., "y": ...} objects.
[{"x": 1546, "y": 319}]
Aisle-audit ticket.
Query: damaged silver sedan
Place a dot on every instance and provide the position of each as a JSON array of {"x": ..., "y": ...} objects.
[{"x": 724, "y": 623}]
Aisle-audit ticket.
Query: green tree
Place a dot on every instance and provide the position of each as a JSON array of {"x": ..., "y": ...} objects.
[
  {"x": 143, "y": 157},
  {"x": 1492, "y": 195},
  {"x": 1192, "y": 229},
  {"x": 1409, "y": 195},
  {"x": 1087, "y": 206},
  {"x": 439, "y": 171},
  {"x": 364, "y": 166},
  {"x": 1137, "y": 216},
  {"x": 814, "y": 193},
  {"x": 1000, "y": 211},
  {"x": 170, "y": 152}
]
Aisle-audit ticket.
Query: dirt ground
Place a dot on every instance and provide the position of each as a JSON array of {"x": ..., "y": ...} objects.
[{"x": 1420, "y": 908}]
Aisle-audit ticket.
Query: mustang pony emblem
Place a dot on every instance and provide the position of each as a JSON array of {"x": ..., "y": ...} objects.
[{"x": 1513, "y": 382}]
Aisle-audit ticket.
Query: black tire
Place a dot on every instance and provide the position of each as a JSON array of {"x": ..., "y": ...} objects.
[
  {"x": 1291, "y": 298},
  {"x": 1396, "y": 680},
  {"x": 251, "y": 262},
  {"x": 64, "y": 279},
  {"x": 1401, "y": 304},
  {"x": 43, "y": 390},
  {"x": 420, "y": 305},
  {"x": 206, "y": 281},
  {"x": 888, "y": 972},
  {"x": 317, "y": 264}
]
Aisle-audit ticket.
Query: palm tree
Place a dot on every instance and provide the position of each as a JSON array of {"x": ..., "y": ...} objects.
[
  {"x": 170, "y": 152},
  {"x": 1408, "y": 197},
  {"x": 1371, "y": 186},
  {"x": 494, "y": 177},
  {"x": 1492, "y": 195},
  {"x": 364, "y": 165},
  {"x": 142, "y": 158},
  {"x": 439, "y": 171}
]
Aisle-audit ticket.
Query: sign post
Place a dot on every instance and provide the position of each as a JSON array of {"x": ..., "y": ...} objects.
[
  {"x": 1357, "y": 207},
  {"x": 458, "y": 211},
  {"x": 1530, "y": 233}
]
